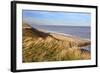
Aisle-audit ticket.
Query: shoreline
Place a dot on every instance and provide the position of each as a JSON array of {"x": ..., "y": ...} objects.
[{"x": 64, "y": 34}]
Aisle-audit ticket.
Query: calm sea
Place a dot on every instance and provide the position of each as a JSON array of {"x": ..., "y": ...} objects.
[{"x": 78, "y": 31}]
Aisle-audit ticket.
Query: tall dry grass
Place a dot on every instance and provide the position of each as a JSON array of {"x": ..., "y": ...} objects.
[{"x": 39, "y": 46}]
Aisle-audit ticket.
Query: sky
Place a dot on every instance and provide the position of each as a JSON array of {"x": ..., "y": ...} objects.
[{"x": 56, "y": 18}]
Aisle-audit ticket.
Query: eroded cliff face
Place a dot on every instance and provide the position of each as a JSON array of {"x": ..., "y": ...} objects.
[{"x": 39, "y": 46}]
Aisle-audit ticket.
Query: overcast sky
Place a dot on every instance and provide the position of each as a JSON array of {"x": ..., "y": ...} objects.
[{"x": 56, "y": 18}]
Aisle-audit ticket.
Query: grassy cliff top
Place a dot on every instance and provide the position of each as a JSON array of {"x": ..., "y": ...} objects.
[{"x": 41, "y": 46}]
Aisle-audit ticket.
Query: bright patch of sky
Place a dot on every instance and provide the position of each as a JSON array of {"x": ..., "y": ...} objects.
[{"x": 56, "y": 18}]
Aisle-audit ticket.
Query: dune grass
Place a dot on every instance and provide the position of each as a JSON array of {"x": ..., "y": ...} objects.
[{"x": 53, "y": 47}]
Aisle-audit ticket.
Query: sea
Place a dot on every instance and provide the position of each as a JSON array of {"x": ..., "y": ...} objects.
[{"x": 77, "y": 31}]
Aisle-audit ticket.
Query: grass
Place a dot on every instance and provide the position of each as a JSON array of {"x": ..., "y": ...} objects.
[{"x": 39, "y": 46}]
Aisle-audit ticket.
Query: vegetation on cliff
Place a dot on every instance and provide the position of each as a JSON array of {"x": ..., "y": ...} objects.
[{"x": 39, "y": 46}]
